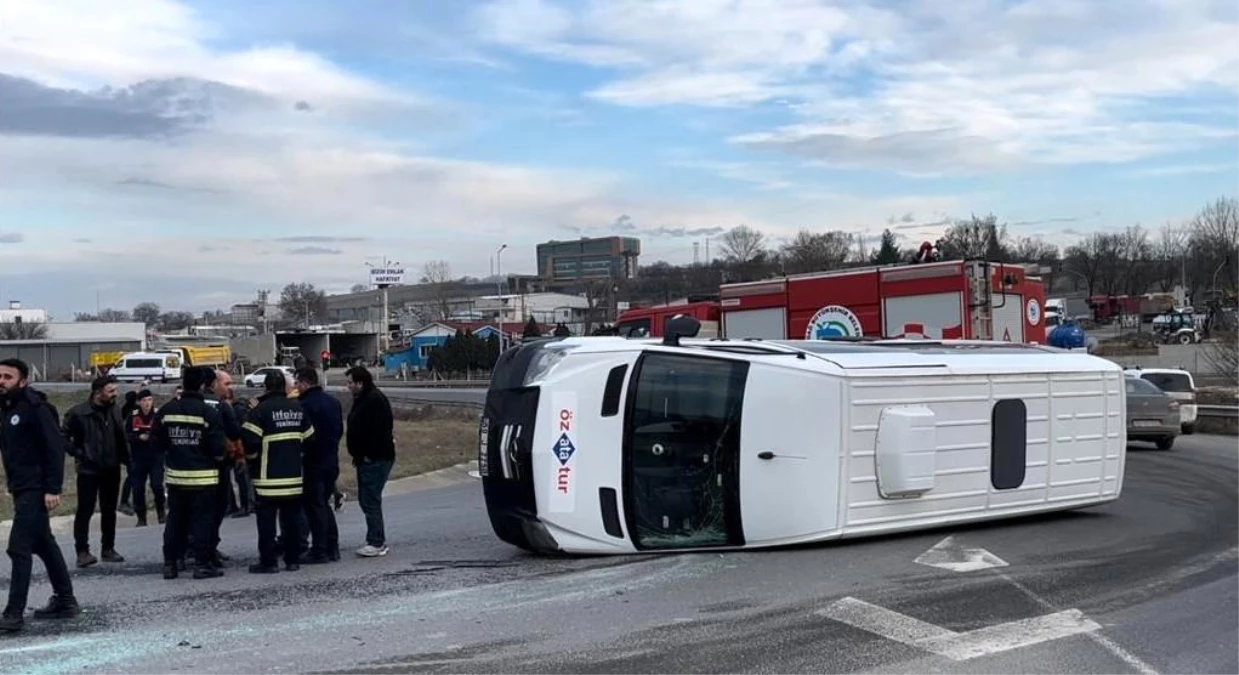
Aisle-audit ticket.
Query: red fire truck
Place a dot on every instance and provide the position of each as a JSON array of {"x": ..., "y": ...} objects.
[
  {"x": 957, "y": 299},
  {"x": 650, "y": 321},
  {"x": 951, "y": 300}
]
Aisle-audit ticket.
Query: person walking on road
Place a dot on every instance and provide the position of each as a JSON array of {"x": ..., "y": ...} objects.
[
  {"x": 96, "y": 437},
  {"x": 33, "y": 454},
  {"x": 372, "y": 445},
  {"x": 190, "y": 434},
  {"x": 147, "y": 463},
  {"x": 322, "y": 465},
  {"x": 277, "y": 434}
]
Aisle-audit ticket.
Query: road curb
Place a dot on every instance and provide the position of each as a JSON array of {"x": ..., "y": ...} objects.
[{"x": 440, "y": 478}]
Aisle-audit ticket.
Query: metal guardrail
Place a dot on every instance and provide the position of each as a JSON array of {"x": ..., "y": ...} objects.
[
  {"x": 1219, "y": 411},
  {"x": 408, "y": 402},
  {"x": 434, "y": 384}
]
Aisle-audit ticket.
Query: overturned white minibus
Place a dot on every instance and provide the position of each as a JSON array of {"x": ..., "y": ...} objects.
[{"x": 609, "y": 445}]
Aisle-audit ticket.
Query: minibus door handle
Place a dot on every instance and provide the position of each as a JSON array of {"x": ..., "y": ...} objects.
[{"x": 766, "y": 454}]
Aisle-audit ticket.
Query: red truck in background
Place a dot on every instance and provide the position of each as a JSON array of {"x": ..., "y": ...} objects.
[
  {"x": 949, "y": 300},
  {"x": 651, "y": 321}
]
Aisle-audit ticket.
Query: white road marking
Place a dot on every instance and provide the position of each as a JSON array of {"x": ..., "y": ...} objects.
[
  {"x": 1102, "y": 641},
  {"x": 474, "y": 474},
  {"x": 948, "y": 554},
  {"x": 951, "y": 644}
]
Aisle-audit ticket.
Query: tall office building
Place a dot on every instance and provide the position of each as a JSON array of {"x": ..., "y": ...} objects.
[{"x": 585, "y": 259}]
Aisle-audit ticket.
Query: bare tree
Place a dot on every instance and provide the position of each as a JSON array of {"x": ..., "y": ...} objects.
[
  {"x": 148, "y": 313},
  {"x": 303, "y": 303},
  {"x": 23, "y": 330},
  {"x": 1170, "y": 257},
  {"x": 742, "y": 244},
  {"x": 1134, "y": 256},
  {"x": 812, "y": 252},
  {"x": 1215, "y": 246},
  {"x": 437, "y": 274},
  {"x": 358, "y": 288},
  {"x": 975, "y": 238}
]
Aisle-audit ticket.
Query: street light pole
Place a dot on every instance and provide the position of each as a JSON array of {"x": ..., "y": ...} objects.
[{"x": 499, "y": 298}]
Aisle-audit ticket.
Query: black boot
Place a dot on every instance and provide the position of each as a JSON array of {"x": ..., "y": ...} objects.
[
  {"x": 160, "y": 515},
  {"x": 11, "y": 622},
  {"x": 59, "y": 607},
  {"x": 171, "y": 570},
  {"x": 207, "y": 572}
]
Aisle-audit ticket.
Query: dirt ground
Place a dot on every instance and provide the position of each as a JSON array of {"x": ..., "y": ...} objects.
[{"x": 427, "y": 438}]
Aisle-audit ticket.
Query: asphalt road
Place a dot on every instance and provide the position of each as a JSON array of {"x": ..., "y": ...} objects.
[{"x": 1146, "y": 584}]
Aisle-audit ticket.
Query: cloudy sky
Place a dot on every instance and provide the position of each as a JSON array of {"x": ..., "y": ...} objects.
[{"x": 193, "y": 152}]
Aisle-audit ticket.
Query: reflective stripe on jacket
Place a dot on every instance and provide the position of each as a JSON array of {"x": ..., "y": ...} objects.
[
  {"x": 277, "y": 434},
  {"x": 191, "y": 435}
]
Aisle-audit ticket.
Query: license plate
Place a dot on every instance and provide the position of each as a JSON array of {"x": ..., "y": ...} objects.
[{"x": 1147, "y": 423}]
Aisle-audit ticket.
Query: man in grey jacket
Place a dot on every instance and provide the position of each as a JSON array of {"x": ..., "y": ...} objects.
[{"x": 97, "y": 441}]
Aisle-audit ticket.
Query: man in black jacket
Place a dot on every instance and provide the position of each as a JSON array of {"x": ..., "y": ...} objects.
[
  {"x": 322, "y": 465},
  {"x": 32, "y": 450},
  {"x": 372, "y": 446},
  {"x": 96, "y": 435}
]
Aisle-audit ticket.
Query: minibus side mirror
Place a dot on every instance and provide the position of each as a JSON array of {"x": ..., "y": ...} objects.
[{"x": 681, "y": 325}]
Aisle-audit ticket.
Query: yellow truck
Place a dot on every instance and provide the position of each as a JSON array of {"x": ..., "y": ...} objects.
[
  {"x": 219, "y": 356},
  {"x": 105, "y": 360}
]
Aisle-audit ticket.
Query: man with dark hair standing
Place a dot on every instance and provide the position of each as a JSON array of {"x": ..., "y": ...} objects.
[
  {"x": 33, "y": 454},
  {"x": 190, "y": 434},
  {"x": 232, "y": 432},
  {"x": 277, "y": 436},
  {"x": 97, "y": 441},
  {"x": 372, "y": 446},
  {"x": 322, "y": 465}
]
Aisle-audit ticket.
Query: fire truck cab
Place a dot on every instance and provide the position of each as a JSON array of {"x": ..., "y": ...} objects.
[
  {"x": 957, "y": 299},
  {"x": 641, "y": 322}
]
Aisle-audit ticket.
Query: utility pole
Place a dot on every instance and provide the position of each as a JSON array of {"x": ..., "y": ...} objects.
[
  {"x": 385, "y": 324},
  {"x": 499, "y": 298}
]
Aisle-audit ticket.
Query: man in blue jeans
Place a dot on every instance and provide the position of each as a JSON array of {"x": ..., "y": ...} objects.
[{"x": 371, "y": 444}]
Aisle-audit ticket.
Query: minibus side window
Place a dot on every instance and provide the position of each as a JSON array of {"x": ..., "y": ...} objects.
[
  {"x": 683, "y": 451},
  {"x": 1008, "y": 444}
]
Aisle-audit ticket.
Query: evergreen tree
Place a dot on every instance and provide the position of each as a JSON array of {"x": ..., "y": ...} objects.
[
  {"x": 888, "y": 251},
  {"x": 492, "y": 351}
]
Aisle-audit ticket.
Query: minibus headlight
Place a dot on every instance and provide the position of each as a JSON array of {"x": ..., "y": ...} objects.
[{"x": 545, "y": 362}]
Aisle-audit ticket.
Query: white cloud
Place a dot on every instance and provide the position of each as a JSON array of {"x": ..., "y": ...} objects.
[
  {"x": 80, "y": 44},
  {"x": 926, "y": 89}
]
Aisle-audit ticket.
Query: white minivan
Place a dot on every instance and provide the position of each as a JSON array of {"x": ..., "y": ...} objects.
[
  {"x": 152, "y": 366},
  {"x": 1179, "y": 385}
]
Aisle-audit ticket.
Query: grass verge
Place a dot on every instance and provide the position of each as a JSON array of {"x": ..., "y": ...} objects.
[{"x": 427, "y": 438}]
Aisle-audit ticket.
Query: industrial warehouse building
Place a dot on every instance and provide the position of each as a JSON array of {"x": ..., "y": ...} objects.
[{"x": 64, "y": 355}]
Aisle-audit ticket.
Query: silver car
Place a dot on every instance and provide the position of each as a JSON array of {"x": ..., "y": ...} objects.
[{"x": 1152, "y": 415}]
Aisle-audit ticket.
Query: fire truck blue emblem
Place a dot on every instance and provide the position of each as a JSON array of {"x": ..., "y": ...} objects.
[{"x": 833, "y": 321}]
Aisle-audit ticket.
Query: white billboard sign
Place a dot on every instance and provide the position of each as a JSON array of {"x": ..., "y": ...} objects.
[{"x": 389, "y": 276}]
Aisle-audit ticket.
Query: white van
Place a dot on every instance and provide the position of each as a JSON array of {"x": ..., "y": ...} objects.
[
  {"x": 1179, "y": 385},
  {"x": 153, "y": 366}
]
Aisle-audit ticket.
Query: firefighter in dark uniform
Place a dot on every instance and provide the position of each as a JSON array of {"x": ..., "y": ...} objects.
[
  {"x": 232, "y": 433},
  {"x": 277, "y": 434},
  {"x": 191, "y": 435}
]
